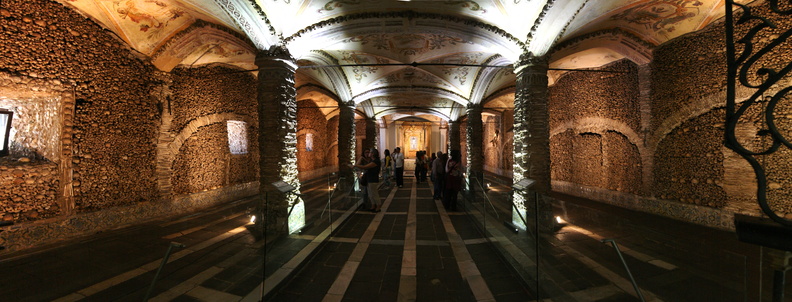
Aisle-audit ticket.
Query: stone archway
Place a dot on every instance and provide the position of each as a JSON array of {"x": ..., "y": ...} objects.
[{"x": 170, "y": 144}]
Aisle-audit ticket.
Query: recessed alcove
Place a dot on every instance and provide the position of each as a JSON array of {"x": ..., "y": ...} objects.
[{"x": 36, "y": 176}]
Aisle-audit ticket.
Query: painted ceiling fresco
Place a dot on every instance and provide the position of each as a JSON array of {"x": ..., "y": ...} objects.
[
  {"x": 396, "y": 54},
  {"x": 656, "y": 21},
  {"x": 147, "y": 25}
]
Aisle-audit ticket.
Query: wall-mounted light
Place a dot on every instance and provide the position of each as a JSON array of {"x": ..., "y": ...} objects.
[{"x": 5, "y": 129}]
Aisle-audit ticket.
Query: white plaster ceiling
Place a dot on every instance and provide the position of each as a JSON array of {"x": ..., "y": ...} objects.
[{"x": 422, "y": 47}]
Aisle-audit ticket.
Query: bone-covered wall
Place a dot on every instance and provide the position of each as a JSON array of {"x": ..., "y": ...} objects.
[
  {"x": 205, "y": 161},
  {"x": 95, "y": 120},
  {"x": 591, "y": 116},
  {"x": 313, "y": 140}
]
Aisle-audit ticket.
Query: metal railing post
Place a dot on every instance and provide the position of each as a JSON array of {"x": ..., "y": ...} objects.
[
  {"x": 159, "y": 270},
  {"x": 618, "y": 252}
]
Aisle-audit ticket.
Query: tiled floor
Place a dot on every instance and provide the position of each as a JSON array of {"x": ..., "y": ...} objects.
[{"x": 411, "y": 251}]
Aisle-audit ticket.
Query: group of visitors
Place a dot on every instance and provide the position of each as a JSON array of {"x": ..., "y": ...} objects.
[
  {"x": 447, "y": 178},
  {"x": 446, "y": 174}
]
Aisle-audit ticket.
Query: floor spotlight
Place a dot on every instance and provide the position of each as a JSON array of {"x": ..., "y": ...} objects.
[
  {"x": 559, "y": 223},
  {"x": 511, "y": 226}
]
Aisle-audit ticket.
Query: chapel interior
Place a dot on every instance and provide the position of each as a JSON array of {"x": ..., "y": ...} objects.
[{"x": 613, "y": 150}]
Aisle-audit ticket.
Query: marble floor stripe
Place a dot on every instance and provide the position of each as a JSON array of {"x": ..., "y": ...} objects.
[
  {"x": 408, "y": 286},
  {"x": 196, "y": 281},
  {"x": 286, "y": 270},
  {"x": 342, "y": 281},
  {"x": 615, "y": 279},
  {"x": 200, "y": 227},
  {"x": 151, "y": 266},
  {"x": 211, "y": 295},
  {"x": 625, "y": 250},
  {"x": 466, "y": 265}
]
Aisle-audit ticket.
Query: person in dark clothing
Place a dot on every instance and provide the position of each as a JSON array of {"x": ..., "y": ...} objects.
[
  {"x": 361, "y": 175},
  {"x": 372, "y": 173},
  {"x": 420, "y": 164},
  {"x": 453, "y": 182},
  {"x": 438, "y": 174}
]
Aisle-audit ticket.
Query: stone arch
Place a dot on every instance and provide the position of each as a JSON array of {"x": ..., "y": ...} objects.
[
  {"x": 323, "y": 98},
  {"x": 318, "y": 37},
  {"x": 598, "y": 48},
  {"x": 416, "y": 110},
  {"x": 497, "y": 95},
  {"x": 601, "y": 126},
  {"x": 417, "y": 91},
  {"x": 340, "y": 84},
  {"x": 194, "y": 41},
  {"x": 620, "y": 41},
  {"x": 486, "y": 78},
  {"x": 168, "y": 151},
  {"x": 687, "y": 112},
  {"x": 303, "y": 132},
  {"x": 312, "y": 120}
]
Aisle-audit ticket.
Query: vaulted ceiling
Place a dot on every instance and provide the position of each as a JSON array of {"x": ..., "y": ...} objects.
[{"x": 395, "y": 58}]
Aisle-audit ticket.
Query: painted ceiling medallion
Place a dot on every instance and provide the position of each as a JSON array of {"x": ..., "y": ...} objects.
[
  {"x": 660, "y": 15},
  {"x": 471, "y": 5},
  {"x": 465, "y": 4},
  {"x": 412, "y": 76},
  {"x": 150, "y": 15},
  {"x": 361, "y": 72},
  {"x": 407, "y": 100},
  {"x": 503, "y": 73},
  {"x": 332, "y": 5},
  {"x": 459, "y": 73},
  {"x": 407, "y": 44}
]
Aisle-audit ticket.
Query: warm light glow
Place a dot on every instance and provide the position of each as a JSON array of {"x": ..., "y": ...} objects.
[
  {"x": 252, "y": 218},
  {"x": 559, "y": 220},
  {"x": 237, "y": 137},
  {"x": 297, "y": 217},
  {"x": 489, "y": 185}
]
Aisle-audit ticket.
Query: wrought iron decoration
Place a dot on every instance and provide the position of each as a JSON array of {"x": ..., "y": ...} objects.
[{"x": 743, "y": 56}]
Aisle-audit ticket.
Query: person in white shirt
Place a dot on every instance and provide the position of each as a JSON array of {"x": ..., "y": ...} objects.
[{"x": 398, "y": 166}]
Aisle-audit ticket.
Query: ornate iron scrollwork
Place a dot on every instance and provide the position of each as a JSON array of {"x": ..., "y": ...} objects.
[{"x": 749, "y": 66}]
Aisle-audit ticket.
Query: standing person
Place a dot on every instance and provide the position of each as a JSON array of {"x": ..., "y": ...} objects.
[
  {"x": 438, "y": 174},
  {"x": 419, "y": 164},
  {"x": 362, "y": 161},
  {"x": 453, "y": 183},
  {"x": 424, "y": 166},
  {"x": 398, "y": 166},
  {"x": 372, "y": 173},
  {"x": 387, "y": 168},
  {"x": 431, "y": 163}
]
